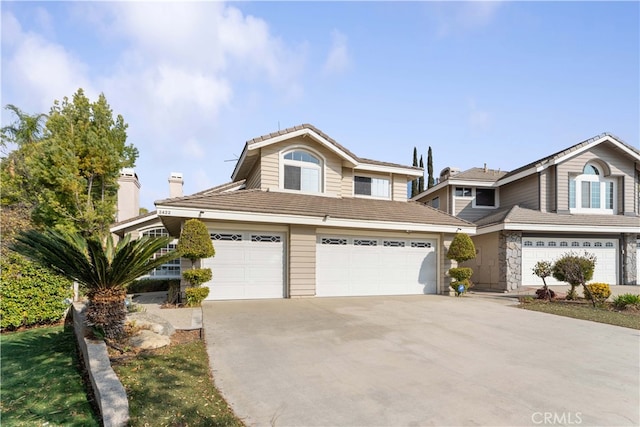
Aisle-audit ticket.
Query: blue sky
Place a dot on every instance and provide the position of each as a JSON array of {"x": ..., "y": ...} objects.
[{"x": 502, "y": 83}]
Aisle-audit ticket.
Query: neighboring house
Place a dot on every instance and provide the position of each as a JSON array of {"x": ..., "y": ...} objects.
[
  {"x": 583, "y": 198},
  {"x": 304, "y": 216}
]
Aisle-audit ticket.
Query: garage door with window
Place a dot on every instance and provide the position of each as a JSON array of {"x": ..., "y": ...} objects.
[
  {"x": 370, "y": 265},
  {"x": 247, "y": 265},
  {"x": 536, "y": 249}
]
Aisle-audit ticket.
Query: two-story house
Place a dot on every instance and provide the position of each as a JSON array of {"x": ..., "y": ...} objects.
[
  {"x": 583, "y": 198},
  {"x": 304, "y": 216}
]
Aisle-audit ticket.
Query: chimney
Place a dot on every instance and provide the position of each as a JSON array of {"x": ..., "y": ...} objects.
[
  {"x": 175, "y": 184},
  {"x": 128, "y": 195},
  {"x": 485, "y": 168}
]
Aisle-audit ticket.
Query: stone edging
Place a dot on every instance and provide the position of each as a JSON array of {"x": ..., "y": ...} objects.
[{"x": 107, "y": 388}]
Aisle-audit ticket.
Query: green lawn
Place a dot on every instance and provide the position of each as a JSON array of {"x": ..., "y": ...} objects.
[
  {"x": 172, "y": 387},
  {"x": 585, "y": 311},
  {"x": 41, "y": 383}
]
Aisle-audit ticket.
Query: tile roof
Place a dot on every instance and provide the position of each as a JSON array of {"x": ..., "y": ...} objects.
[
  {"x": 566, "y": 151},
  {"x": 273, "y": 202},
  {"x": 479, "y": 174},
  {"x": 519, "y": 215}
]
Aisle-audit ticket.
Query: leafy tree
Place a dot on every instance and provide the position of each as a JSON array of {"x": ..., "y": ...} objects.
[
  {"x": 576, "y": 270},
  {"x": 461, "y": 249},
  {"x": 414, "y": 183},
  {"x": 24, "y": 133},
  {"x": 430, "y": 180},
  {"x": 103, "y": 269},
  {"x": 542, "y": 269},
  {"x": 421, "y": 179},
  {"x": 194, "y": 244},
  {"x": 75, "y": 165}
]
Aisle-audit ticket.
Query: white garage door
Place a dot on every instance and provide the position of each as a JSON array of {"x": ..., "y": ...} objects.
[
  {"x": 536, "y": 249},
  {"x": 247, "y": 265},
  {"x": 349, "y": 266},
  {"x": 638, "y": 262}
]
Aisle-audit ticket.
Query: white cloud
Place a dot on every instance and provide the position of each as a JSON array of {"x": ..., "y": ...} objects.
[
  {"x": 40, "y": 71},
  {"x": 461, "y": 17},
  {"x": 171, "y": 69},
  {"x": 338, "y": 59}
]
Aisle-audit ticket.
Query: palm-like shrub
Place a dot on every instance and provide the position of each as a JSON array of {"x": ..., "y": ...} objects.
[{"x": 103, "y": 269}]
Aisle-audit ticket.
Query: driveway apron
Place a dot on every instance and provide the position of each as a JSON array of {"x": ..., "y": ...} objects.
[{"x": 419, "y": 361}]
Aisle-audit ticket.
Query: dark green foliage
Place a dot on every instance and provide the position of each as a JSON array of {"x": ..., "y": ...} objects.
[
  {"x": 30, "y": 295},
  {"x": 623, "y": 301},
  {"x": 414, "y": 183},
  {"x": 195, "y": 296},
  {"x": 421, "y": 179},
  {"x": 197, "y": 276},
  {"x": 575, "y": 270},
  {"x": 195, "y": 242},
  {"x": 461, "y": 248},
  {"x": 151, "y": 285},
  {"x": 430, "y": 180}
]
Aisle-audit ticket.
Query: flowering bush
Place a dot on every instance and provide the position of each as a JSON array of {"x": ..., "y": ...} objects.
[{"x": 599, "y": 291}]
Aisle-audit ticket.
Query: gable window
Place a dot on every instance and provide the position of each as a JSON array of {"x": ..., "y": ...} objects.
[
  {"x": 435, "y": 203},
  {"x": 302, "y": 171},
  {"x": 486, "y": 197},
  {"x": 591, "y": 192},
  {"x": 463, "y": 192},
  {"x": 374, "y": 187}
]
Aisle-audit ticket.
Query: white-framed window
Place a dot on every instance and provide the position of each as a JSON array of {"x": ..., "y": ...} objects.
[
  {"x": 463, "y": 192},
  {"x": 374, "y": 187},
  {"x": 171, "y": 268},
  {"x": 485, "y": 198},
  {"x": 591, "y": 191},
  {"x": 302, "y": 171}
]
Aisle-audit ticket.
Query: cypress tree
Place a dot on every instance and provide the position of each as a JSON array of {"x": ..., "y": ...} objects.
[
  {"x": 414, "y": 183},
  {"x": 430, "y": 181},
  {"x": 421, "y": 179}
]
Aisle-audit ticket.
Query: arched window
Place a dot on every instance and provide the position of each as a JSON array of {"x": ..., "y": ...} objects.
[
  {"x": 592, "y": 192},
  {"x": 302, "y": 171},
  {"x": 170, "y": 269}
]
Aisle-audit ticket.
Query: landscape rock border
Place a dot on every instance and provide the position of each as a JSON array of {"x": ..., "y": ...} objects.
[{"x": 109, "y": 392}]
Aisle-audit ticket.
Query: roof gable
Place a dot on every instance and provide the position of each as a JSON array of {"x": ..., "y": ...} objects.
[
  {"x": 563, "y": 155},
  {"x": 307, "y": 130}
]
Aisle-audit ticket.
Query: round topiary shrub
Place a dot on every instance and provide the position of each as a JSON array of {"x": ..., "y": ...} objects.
[
  {"x": 195, "y": 242},
  {"x": 461, "y": 248},
  {"x": 197, "y": 276},
  {"x": 195, "y": 296}
]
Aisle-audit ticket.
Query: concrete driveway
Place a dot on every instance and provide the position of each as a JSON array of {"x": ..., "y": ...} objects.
[{"x": 419, "y": 361}]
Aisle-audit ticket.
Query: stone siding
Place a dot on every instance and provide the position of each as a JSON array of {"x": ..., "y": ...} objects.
[
  {"x": 510, "y": 260},
  {"x": 629, "y": 260}
]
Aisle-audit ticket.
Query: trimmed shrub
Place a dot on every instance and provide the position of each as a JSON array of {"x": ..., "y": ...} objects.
[
  {"x": 195, "y": 242},
  {"x": 599, "y": 291},
  {"x": 461, "y": 248},
  {"x": 623, "y": 301},
  {"x": 150, "y": 285},
  {"x": 195, "y": 296},
  {"x": 461, "y": 273},
  {"x": 461, "y": 286},
  {"x": 30, "y": 295},
  {"x": 575, "y": 270},
  {"x": 197, "y": 276}
]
